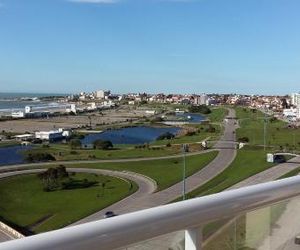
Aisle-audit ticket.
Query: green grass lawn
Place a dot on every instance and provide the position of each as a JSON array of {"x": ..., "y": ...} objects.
[
  {"x": 216, "y": 117},
  {"x": 65, "y": 153},
  {"x": 24, "y": 203},
  {"x": 217, "y": 114},
  {"x": 198, "y": 137},
  {"x": 291, "y": 173},
  {"x": 165, "y": 172},
  {"x": 278, "y": 135},
  {"x": 249, "y": 161},
  {"x": 9, "y": 144}
]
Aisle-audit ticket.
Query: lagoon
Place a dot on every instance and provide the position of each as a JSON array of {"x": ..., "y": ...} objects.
[
  {"x": 12, "y": 154},
  {"x": 131, "y": 135}
]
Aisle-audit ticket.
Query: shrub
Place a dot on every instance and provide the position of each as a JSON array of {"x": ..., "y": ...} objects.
[
  {"x": 243, "y": 139},
  {"x": 75, "y": 143},
  {"x": 104, "y": 145},
  {"x": 211, "y": 129},
  {"x": 165, "y": 136},
  {"x": 157, "y": 119},
  {"x": 190, "y": 133},
  {"x": 203, "y": 109},
  {"x": 39, "y": 157},
  {"x": 273, "y": 119}
]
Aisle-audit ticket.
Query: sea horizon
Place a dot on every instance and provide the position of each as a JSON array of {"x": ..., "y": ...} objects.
[{"x": 12, "y": 101}]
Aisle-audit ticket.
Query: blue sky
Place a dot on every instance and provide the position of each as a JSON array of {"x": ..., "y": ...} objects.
[{"x": 177, "y": 46}]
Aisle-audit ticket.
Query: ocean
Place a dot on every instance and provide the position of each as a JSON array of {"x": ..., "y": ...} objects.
[{"x": 18, "y": 101}]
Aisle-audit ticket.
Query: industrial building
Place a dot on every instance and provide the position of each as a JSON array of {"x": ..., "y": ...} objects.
[{"x": 53, "y": 135}]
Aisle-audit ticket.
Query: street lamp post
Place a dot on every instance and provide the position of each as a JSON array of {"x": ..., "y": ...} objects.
[
  {"x": 265, "y": 130},
  {"x": 184, "y": 148}
]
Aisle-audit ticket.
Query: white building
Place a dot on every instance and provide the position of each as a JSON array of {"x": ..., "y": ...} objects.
[
  {"x": 65, "y": 132},
  {"x": 24, "y": 137},
  {"x": 201, "y": 100},
  {"x": 72, "y": 108},
  {"x": 108, "y": 104},
  {"x": 150, "y": 112},
  {"x": 91, "y": 106},
  {"x": 131, "y": 102},
  {"x": 295, "y": 99},
  {"x": 292, "y": 113},
  {"x": 28, "y": 109},
  {"x": 101, "y": 94},
  {"x": 52, "y": 135},
  {"x": 18, "y": 114}
]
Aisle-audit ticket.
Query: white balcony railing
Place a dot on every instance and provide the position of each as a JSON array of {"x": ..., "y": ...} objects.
[{"x": 190, "y": 216}]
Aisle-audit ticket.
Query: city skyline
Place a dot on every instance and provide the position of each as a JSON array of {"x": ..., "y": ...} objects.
[{"x": 154, "y": 46}]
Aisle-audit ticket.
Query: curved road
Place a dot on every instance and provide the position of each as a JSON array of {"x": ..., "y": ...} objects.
[
  {"x": 146, "y": 185},
  {"x": 225, "y": 157},
  {"x": 145, "y": 198}
]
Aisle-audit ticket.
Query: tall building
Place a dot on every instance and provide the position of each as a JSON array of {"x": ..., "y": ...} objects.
[
  {"x": 295, "y": 99},
  {"x": 101, "y": 94},
  {"x": 201, "y": 100}
]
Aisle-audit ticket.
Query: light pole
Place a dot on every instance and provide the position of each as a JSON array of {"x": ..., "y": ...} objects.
[
  {"x": 294, "y": 139},
  {"x": 184, "y": 149},
  {"x": 265, "y": 130}
]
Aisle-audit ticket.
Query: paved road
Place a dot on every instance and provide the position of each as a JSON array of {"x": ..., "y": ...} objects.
[
  {"x": 146, "y": 185},
  {"x": 226, "y": 155},
  {"x": 281, "y": 235},
  {"x": 270, "y": 174},
  {"x": 4, "y": 237}
]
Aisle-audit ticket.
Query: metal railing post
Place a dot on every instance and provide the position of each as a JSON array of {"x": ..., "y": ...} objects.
[{"x": 193, "y": 239}]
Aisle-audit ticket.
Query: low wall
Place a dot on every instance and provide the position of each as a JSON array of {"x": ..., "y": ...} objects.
[{"x": 10, "y": 231}]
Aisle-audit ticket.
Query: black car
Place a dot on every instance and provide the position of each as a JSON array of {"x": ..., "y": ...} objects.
[{"x": 109, "y": 214}]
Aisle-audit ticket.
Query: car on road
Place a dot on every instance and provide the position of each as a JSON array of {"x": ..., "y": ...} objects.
[{"x": 109, "y": 214}]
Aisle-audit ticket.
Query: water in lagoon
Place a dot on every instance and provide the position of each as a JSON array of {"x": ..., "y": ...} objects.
[
  {"x": 12, "y": 155},
  {"x": 194, "y": 118},
  {"x": 132, "y": 135}
]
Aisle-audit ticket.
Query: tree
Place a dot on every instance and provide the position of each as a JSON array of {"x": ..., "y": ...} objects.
[
  {"x": 52, "y": 177},
  {"x": 104, "y": 145},
  {"x": 165, "y": 136},
  {"x": 62, "y": 172},
  {"x": 210, "y": 129},
  {"x": 244, "y": 139},
  {"x": 75, "y": 143},
  {"x": 203, "y": 109},
  {"x": 39, "y": 157}
]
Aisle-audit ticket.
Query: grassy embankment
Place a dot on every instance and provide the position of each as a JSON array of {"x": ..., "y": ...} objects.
[
  {"x": 31, "y": 209},
  {"x": 165, "y": 172},
  {"x": 8, "y": 144},
  {"x": 278, "y": 135},
  {"x": 249, "y": 161}
]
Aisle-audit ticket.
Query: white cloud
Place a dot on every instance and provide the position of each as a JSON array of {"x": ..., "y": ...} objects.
[{"x": 95, "y": 1}]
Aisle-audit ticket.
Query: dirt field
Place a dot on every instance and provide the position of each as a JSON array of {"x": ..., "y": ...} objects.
[{"x": 97, "y": 118}]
